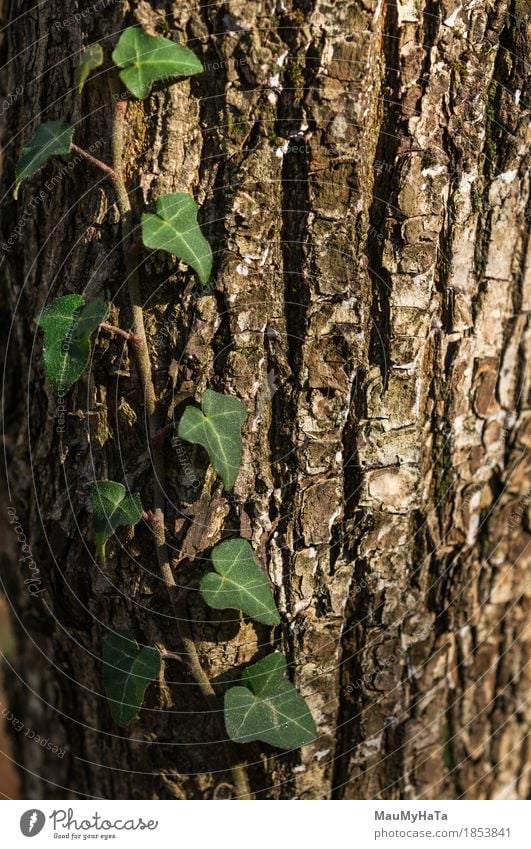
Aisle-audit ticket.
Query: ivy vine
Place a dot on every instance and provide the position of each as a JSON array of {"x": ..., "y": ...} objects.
[{"x": 265, "y": 706}]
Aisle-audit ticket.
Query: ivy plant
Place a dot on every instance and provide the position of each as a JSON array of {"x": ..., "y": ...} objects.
[
  {"x": 68, "y": 324},
  {"x": 267, "y": 707},
  {"x": 53, "y": 138},
  {"x": 146, "y": 59},
  {"x": 91, "y": 58},
  {"x": 127, "y": 672},
  {"x": 217, "y": 427},
  {"x": 112, "y": 507},
  {"x": 239, "y": 583},
  {"x": 174, "y": 229}
]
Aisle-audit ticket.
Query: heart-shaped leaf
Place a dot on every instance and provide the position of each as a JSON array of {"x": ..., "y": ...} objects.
[
  {"x": 239, "y": 583},
  {"x": 54, "y": 138},
  {"x": 127, "y": 671},
  {"x": 218, "y": 429},
  {"x": 91, "y": 58},
  {"x": 112, "y": 507},
  {"x": 174, "y": 229},
  {"x": 68, "y": 324},
  {"x": 148, "y": 58},
  {"x": 268, "y": 707}
]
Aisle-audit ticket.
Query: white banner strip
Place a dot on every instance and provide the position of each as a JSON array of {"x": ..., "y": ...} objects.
[{"x": 306, "y": 825}]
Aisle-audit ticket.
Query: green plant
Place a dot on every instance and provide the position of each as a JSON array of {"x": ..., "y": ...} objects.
[
  {"x": 91, "y": 59},
  {"x": 68, "y": 324},
  {"x": 112, "y": 508},
  {"x": 218, "y": 429},
  {"x": 174, "y": 228},
  {"x": 53, "y": 138},
  {"x": 127, "y": 672},
  {"x": 146, "y": 59},
  {"x": 239, "y": 583},
  {"x": 267, "y": 706}
]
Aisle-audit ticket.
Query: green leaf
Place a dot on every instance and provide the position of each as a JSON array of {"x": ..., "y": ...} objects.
[
  {"x": 54, "y": 138},
  {"x": 68, "y": 324},
  {"x": 91, "y": 58},
  {"x": 240, "y": 583},
  {"x": 268, "y": 707},
  {"x": 148, "y": 58},
  {"x": 218, "y": 429},
  {"x": 112, "y": 508},
  {"x": 127, "y": 672},
  {"x": 174, "y": 229}
]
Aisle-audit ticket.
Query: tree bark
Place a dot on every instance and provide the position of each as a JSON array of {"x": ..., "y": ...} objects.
[{"x": 363, "y": 174}]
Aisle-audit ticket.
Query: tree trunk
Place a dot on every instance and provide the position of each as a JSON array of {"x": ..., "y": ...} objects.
[{"x": 363, "y": 177}]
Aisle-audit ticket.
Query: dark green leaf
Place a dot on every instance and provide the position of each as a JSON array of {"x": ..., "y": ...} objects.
[
  {"x": 54, "y": 138},
  {"x": 174, "y": 229},
  {"x": 268, "y": 708},
  {"x": 240, "y": 583},
  {"x": 218, "y": 429},
  {"x": 127, "y": 671},
  {"x": 146, "y": 59},
  {"x": 112, "y": 508},
  {"x": 260, "y": 677},
  {"x": 91, "y": 58},
  {"x": 68, "y": 324}
]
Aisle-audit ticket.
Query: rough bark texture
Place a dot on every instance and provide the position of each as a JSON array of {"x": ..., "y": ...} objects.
[{"x": 363, "y": 173}]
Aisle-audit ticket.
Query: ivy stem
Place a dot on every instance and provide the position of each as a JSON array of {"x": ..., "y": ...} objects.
[
  {"x": 96, "y": 162},
  {"x": 178, "y": 599},
  {"x": 171, "y": 655},
  {"x": 162, "y": 433},
  {"x": 238, "y": 770},
  {"x": 118, "y": 331}
]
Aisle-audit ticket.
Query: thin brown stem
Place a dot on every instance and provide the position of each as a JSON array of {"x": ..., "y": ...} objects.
[
  {"x": 161, "y": 435},
  {"x": 178, "y": 600},
  {"x": 171, "y": 655},
  {"x": 94, "y": 161},
  {"x": 238, "y": 770},
  {"x": 118, "y": 331}
]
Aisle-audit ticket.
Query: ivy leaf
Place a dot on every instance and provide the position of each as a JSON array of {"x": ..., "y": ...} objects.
[
  {"x": 112, "y": 508},
  {"x": 68, "y": 324},
  {"x": 240, "y": 583},
  {"x": 127, "y": 672},
  {"x": 148, "y": 58},
  {"x": 54, "y": 138},
  {"x": 174, "y": 229},
  {"x": 268, "y": 707},
  {"x": 91, "y": 58},
  {"x": 218, "y": 429}
]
